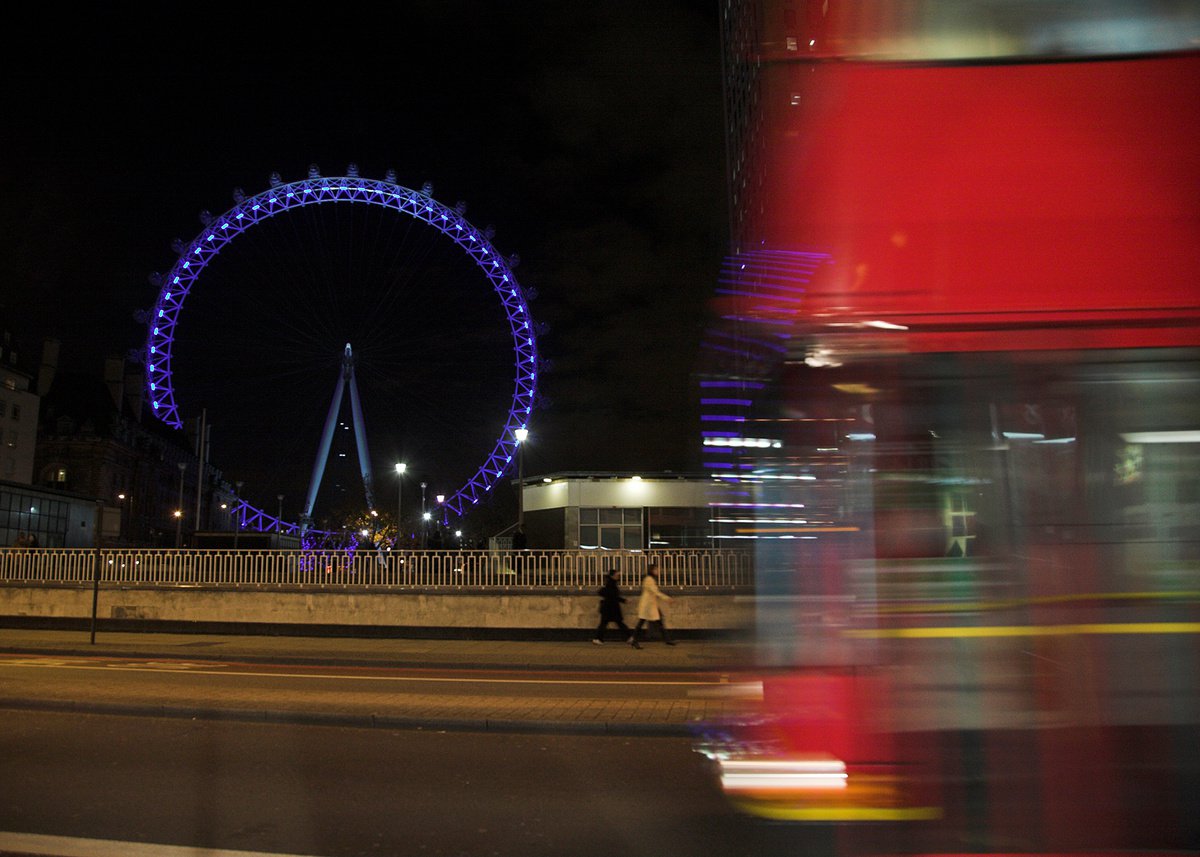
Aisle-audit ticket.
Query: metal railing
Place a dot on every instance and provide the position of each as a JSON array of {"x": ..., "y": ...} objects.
[{"x": 526, "y": 569}]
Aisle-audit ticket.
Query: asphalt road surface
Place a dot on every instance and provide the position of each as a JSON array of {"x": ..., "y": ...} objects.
[
  {"x": 332, "y": 791},
  {"x": 613, "y": 701}
]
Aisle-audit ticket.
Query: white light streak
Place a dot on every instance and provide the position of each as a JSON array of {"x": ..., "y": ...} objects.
[{"x": 782, "y": 774}]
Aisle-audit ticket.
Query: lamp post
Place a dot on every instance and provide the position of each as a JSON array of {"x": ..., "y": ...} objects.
[
  {"x": 179, "y": 511},
  {"x": 279, "y": 519},
  {"x": 400, "y": 468},
  {"x": 424, "y": 516},
  {"x": 128, "y": 514},
  {"x": 237, "y": 524},
  {"x": 522, "y": 435}
]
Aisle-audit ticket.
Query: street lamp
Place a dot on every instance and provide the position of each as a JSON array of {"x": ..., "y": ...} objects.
[
  {"x": 424, "y": 515},
  {"x": 129, "y": 510},
  {"x": 279, "y": 520},
  {"x": 522, "y": 435},
  {"x": 237, "y": 524},
  {"x": 182, "y": 465},
  {"x": 400, "y": 468}
]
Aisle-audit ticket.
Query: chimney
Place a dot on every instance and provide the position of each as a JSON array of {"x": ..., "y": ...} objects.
[
  {"x": 49, "y": 367},
  {"x": 114, "y": 379},
  {"x": 135, "y": 384}
]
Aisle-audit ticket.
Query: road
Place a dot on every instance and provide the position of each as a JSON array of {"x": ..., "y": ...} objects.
[
  {"x": 316, "y": 790},
  {"x": 601, "y": 702},
  {"x": 372, "y": 757}
]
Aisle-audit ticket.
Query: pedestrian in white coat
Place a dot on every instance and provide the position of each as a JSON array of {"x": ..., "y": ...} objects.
[{"x": 649, "y": 609}]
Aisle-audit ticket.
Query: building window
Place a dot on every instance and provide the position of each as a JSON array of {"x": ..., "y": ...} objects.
[
  {"x": 16, "y": 411},
  {"x": 60, "y": 475},
  {"x": 611, "y": 529}
]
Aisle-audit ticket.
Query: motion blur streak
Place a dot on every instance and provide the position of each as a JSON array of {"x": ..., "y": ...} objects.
[{"x": 962, "y": 296}]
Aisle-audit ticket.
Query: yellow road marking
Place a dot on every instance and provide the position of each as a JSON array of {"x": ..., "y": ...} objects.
[
  {"x": 1029, "y": 630},
  {"x": 158, "y": 667}
]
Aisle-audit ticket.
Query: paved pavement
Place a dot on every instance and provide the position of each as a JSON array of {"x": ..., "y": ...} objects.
[{"x": 697, "y": 668}]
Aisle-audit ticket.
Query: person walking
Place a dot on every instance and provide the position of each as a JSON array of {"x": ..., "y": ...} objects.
[
  {"x": 610, "y": 607},
  {"x": 649, "y": 609}
]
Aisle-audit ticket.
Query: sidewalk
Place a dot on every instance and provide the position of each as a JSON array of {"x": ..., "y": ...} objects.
[
  {"x": 611, "y": 689},
  {"x": 688, "y": 656}
]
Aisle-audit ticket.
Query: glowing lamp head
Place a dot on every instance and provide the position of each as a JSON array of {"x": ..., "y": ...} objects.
[
  {"x": 401, "y": 467},
  {"x": 521, "y": 434}
]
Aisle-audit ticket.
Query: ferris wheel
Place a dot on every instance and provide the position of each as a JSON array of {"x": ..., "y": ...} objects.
[{"x": 473, "y": 245}]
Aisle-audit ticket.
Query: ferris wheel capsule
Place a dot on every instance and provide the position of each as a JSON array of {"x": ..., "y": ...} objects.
[
  {"x": 239, "y": 195},
  {"x": 427, "y": 189},
  {"x": 314, "y": 172},
  {"x": 275, "y": 180},
  {"x": 352, "y": 170},
  {"x": 390, "y": 176}
]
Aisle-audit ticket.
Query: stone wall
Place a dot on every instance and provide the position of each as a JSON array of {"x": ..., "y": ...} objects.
[{"x": 343, "y": 606}]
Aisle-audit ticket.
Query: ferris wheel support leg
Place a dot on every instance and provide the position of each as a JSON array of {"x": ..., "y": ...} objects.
[
  {"x": 318, "y": 471},
  {"x": 360, "y": 439}
]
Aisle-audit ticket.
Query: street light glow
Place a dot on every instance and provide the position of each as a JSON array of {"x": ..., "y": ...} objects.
[
  {"x": 521, "y": 434},
  {"x": 426, "y": 516},
  {"x": 401, "y": 467}
]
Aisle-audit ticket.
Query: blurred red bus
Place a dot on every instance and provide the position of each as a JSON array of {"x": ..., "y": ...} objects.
[{"x": 976, "y": 226}]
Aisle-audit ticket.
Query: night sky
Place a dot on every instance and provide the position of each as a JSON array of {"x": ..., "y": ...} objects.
[{"x": 589, "y": 135}]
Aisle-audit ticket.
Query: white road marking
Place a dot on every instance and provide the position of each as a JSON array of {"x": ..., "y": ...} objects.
[{"x": 72, "y": 846}]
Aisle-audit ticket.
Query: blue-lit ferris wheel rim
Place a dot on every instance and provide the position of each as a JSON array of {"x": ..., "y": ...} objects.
[{"x": 222, "y": 229}]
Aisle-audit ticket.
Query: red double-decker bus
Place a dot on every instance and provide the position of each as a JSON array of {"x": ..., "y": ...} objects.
[{"x": 974, "y": 229}]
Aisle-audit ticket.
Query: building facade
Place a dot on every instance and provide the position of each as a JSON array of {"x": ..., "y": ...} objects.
[
  {"x": 18, "y": 416},
  {"x": 622, "y": 511}
]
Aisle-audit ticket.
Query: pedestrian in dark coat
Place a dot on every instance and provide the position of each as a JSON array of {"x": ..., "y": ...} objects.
[{"x": 610, "y": 607}]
